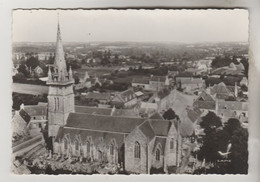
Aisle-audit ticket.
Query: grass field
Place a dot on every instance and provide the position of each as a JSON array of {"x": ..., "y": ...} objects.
[{"x": 29, "y": 89}]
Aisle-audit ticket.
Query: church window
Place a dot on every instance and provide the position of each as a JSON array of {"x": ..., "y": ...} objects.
[
  {"x": 65, "y": 144},
  {"x": 58, "y": 104},
  {"x": 88, "y": 147},
  {"x": 171, "y": 144},
  {"x": 157, "y": 154},
  {"x": 55, "y": 104},
  {"x": 76, "y": 145},
  {"x": 137, "y": 150},
  {"x": 111, "y": 147}
]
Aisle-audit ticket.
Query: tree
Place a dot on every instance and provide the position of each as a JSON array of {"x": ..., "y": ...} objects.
[
  {"x": 210, "y": 122},
  {"x": 170, "y": 114},
  {"x": 239, "y": 151}
]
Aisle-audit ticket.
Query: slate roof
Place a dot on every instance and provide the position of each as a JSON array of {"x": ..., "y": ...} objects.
[
  {"x": 36, "y": 110},
  {"x": 205, "y": 96},
  {"x": 103, "y": 123},
  {"x": 193, "y": 114},
  {"x": 233, "y": 105},
  {"x": 97, "y": 96},
  {"x": 26, "y": 117},
  {"x": 156, "y": 115},
  {"x": 141, "y": 80},
  {"x": 219, "y": 89},
  {"x": 158, "y": 78},
  {"x": 93, "y": 110},
  {"x": 147, "y": 130},
  {"x": 160, "y": 127},
  {"x": 189, "y": 80},
  {"x": 125, "y": 96},
  {"x": 210, "y": 105}
]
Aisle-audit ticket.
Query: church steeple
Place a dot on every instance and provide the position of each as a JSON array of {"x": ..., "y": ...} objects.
[
  {"x": 60, "y": 63},
  {"x": 61, "y": 96},
  {"x": 60, "y": 73}
]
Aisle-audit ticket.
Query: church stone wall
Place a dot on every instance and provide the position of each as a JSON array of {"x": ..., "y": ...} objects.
[{"x": 133, "y": 164}]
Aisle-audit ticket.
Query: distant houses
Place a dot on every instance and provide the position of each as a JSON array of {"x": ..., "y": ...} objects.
[{"x": 152, "y": 83}]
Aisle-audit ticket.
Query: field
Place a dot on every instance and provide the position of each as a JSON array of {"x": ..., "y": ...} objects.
[
  {"x": 96, "y": 71},
  {"x": 29, "y": 89}
]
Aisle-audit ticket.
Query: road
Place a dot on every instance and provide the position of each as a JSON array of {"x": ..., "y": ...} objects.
[{"x": 29, "y": 89}]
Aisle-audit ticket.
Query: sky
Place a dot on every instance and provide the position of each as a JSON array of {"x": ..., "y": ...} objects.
[{"x": 187, "y": 26}]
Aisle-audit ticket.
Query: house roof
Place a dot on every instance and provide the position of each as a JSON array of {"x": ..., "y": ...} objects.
[
  {"x": 98, "y": 96},
  {"x": 36, "y": 110},
  {"x": 204, "y": 96},
  {"x": 125, "y": 96},
  {"x": 219, "y": 89},
  {"x": 26, "y": 117},
  {"x": 189, "y": 80},
  {"x": 141, "y": 80},
  {"x": 158, "y": 78},
  {"x": 193, "y": 113},
  {"x": 156, "y": 115},
  {"x": 233, "y": 105},
  {"x": 211, "y": 105}
]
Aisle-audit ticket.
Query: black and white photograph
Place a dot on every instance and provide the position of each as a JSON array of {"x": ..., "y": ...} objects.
[{"x": 130, "y": 91}]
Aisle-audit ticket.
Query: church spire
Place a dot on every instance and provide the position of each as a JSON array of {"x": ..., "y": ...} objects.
[{"x": 59, "y": 62}]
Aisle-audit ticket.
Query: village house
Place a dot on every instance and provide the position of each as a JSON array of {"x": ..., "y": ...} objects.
[
  {"x": 190, "y": 84},
  {"x": 125, "y": 99},
  {"x": 224, "y": 109},
  {"x": 244, "y": 81},
  {"x": 152, "y": 83},
  {"x": 102, "y": 98}
]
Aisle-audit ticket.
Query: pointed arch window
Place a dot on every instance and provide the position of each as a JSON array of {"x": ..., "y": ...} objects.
[
  {"x": 65, "y": 144},
  {"x": 88, "y": 147},
  {"x": 111, "y": 149},
  {"x": 137, "y": 150},
  {"x": 76, "y": 145},
  {"x": 171, "y": 143},
  {"x": 158, "y": 154}
]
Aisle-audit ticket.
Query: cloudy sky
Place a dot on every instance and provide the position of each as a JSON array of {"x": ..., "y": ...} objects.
[{"x": 187, "y": 26}]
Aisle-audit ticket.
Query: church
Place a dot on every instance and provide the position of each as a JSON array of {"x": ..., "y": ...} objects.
[{"x": 138, "y": 144}]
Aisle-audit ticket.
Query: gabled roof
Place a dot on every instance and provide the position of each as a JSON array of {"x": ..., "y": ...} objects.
[
  {"x": 125, "y": 96},
  {"x": 103, "y": 123},
  {"x": 219, "y": 89},
  {"x": 189, "y": 80},
  {"x": 156, "y": 115},
  {"x": 26, "y": 117},
  {"x": 147, "y": 130},
  {"x": 141, "y": 80},
  {"x": 97, "y": 96},
  {"x": 193, "y": 114},
  {"x": 158, "y": 78},
  {"x": 233, "y": 105},
  {"x": 211, "y": 105},
  {"x": 93, "y": 110},
  {"x": 36, "y": 110},
  {"x": 161, "y": 127},
  {"x": 204, "y": 96}
]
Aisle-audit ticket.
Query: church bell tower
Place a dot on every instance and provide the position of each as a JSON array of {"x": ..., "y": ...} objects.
[{"x": 60, "y": 96}]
